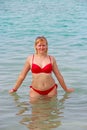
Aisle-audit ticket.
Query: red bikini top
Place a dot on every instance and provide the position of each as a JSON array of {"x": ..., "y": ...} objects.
[{"x": 37, "y": 69}]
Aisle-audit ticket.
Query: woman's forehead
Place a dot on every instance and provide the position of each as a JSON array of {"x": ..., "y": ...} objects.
[{"x": 40, "y": 42}]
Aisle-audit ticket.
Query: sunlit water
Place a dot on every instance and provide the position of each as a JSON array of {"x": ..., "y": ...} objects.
[{"x": 64, "y": 24}]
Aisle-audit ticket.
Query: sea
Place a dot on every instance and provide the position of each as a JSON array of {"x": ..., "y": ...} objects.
[{"x": 64, "y": 24}]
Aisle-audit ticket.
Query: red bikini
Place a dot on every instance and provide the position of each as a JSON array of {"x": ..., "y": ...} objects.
[
  {"x": 46, "y": 69},
  {"x": 37, "y": 69},
  {"x": 46, "y": 91}
]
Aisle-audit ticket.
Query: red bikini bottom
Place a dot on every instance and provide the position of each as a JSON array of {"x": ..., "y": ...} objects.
[{"x": 46, "y": 91}]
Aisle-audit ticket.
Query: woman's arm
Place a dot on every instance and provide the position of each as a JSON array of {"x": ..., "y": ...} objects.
[
  {"x": 60, "y": 77},
  {"x": 21, "y": 77}
]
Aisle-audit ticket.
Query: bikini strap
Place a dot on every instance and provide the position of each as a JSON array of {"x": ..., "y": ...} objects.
[
  {"x": 32, "y": 58},
  {"x": 50, "y": 59}
]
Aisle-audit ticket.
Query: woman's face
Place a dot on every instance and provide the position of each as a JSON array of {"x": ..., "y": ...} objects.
[{"x": 41, "y": 47}]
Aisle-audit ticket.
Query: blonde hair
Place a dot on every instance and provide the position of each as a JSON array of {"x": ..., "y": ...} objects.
[{"x": 40, "y": 39}]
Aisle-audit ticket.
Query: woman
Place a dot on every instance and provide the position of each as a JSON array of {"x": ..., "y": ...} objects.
[{"x": 41, "y": 65}]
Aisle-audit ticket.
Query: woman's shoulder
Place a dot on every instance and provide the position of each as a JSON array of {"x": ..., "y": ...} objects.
[
  {"x": 52, "y": 57},
  {"x": 29, "y": 58}
]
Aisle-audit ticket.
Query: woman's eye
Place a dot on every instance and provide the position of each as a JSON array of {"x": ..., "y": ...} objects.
[{"x": 41, "y": 45}]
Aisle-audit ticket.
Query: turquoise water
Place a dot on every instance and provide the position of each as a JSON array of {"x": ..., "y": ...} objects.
[{"x": 64, "y": 23}]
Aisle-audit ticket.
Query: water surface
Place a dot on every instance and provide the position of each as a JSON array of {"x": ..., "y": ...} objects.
[{"x": 64, "y": 24}]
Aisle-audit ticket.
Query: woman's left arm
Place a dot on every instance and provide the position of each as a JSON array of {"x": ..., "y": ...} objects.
[{"x": 60, "y": 77}]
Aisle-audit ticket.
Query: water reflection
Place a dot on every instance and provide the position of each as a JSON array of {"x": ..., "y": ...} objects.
[{"x": 45, "y": 113}]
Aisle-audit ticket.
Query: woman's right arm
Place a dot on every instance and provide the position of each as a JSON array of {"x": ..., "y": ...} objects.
[{"x": 22, "y": 76}]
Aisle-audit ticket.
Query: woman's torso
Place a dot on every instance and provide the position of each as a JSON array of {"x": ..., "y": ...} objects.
[{"x": 42, "y": 76}]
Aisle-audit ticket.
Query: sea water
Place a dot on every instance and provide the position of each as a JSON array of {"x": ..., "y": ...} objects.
[{"x": 64, "y": 24}]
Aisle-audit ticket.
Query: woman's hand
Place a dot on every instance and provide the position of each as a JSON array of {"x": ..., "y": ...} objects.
[
  {"x": 12, "y": 90},
  {"x": 70, "y": 90}
]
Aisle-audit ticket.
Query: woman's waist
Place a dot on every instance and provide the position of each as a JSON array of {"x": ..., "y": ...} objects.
[
  {"x": 42, "y": 77},
  {"x": 42, "y": 81},
  {"x": 42, "y": 85}
]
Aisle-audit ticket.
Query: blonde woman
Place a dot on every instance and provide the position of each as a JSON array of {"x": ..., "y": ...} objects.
[{"x": 41, "y": 65}]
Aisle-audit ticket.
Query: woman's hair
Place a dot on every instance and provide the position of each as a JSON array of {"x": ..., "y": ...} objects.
[{"x": 40, "y": 39}]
